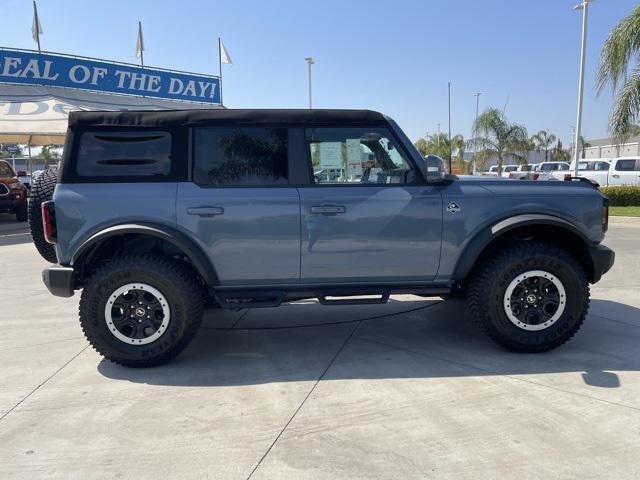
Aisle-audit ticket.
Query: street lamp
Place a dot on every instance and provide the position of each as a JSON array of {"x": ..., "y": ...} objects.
[
  {"x": 584, "y": 6},
  {"x": 310, "y": 62},
  {"x": 475, "y": 129}
]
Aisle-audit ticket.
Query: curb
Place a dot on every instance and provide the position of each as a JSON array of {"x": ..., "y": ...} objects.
[{"x": 619, "y": 220}]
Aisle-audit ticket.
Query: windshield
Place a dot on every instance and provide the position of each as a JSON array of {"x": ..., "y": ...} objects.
[
  {"x": 6, "y": 170},
  {"x": 510, "y": 168}
]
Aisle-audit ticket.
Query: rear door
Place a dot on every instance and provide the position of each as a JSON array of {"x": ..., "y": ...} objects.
[
  {"x": 374, "y": 220},
  {"x": 240, "y": 206},
  {"x": 625, "y": 171}
]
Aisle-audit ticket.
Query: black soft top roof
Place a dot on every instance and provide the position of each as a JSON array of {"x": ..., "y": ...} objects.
[{"x": 157, "y": 118}]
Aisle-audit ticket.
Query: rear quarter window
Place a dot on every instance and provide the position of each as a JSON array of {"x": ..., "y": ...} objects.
[
  {"x": 241, "y": 156},
  {"x": 124, "y": 154}
]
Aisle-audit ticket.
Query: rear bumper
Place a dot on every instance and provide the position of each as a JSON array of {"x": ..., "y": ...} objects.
[
  {"x": 602, "y": 259},
  {"x": 59, "y": 280},
  {"x": 10, "y": 202}
]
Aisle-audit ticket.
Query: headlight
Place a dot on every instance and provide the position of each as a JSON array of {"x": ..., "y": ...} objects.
[{"x": 15, "y": 185}]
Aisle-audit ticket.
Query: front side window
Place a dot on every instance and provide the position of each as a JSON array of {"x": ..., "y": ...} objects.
[
  {"x": 124, "y": 154},
  {"x": 626, "y": 165},
  {"x": 240, "y": 156},
  {"x": 6, "y": 170},
  {"x": 357, "y": 156}
]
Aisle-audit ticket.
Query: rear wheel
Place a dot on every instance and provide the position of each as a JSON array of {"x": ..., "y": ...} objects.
[
  {"x": 41, "y": 191},
  {"x": 529, "y": 296},
  {"x": 141, "y": 310}
]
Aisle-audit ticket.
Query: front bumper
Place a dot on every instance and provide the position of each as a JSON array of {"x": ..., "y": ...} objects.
[
  {"x": 602, "y": 259},
  {"x": 59, "y": 280}
]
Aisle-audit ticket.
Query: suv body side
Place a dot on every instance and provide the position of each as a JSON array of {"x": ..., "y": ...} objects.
[{"x": 419, "y": 234}]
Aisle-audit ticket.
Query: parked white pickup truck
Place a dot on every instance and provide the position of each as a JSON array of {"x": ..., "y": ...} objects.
[
  {"x": 604, "y": 172},
  {"x": 553, "y": 171}
]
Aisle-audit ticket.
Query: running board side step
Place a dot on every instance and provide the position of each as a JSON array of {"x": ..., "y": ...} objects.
[
  {"x": 355, "y": 297},
  {"x": 249, "y": 298},
  {"x": 235, "y": 298}
]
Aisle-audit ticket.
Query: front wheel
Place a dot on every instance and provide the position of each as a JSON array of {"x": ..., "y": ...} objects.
[
  {"x": 141, "y": 310},
  {"x": 529, "y": 296},
  {"x": 21, "y": 213}
]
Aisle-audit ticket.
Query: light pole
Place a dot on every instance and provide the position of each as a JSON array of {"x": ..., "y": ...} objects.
[
  {"x": 310, "y": 62},
  {"x": 475, "y": 129},
  {"x": 584, "y": 6}
]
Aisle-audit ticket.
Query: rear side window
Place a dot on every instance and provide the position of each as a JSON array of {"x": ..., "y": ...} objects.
[
  {"x": 124, "y": 154},
  {"x": 626, "y": 165},
  {"x": 242, "y": 156}
]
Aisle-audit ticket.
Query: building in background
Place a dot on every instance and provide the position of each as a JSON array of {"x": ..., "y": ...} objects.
[{"x": 607, "y": 148}]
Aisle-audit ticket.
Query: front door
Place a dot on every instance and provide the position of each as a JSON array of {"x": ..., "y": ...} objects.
[
  {"x": 367, "y": 217},
  {"x": 240, "y": 206},
  {"x": 625, "y": 171}
]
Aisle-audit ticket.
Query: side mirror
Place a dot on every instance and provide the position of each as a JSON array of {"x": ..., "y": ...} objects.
[
  {"x": 435, "y": 171},
  {"x": 21, "y": 173}
]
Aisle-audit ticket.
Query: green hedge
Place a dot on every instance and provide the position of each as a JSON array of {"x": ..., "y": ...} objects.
[{"x": 623, "y": 195}]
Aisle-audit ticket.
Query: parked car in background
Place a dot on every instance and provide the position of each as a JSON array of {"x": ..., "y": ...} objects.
[
  {"x": 507, "y": 169},
  {"x": 619, "y": 171},
  {"x": 524, "y": 172},
  {"x": 492, "y": 172},
  {"x": 553, "y": 171},
  {"x": 13, "y": 194}
]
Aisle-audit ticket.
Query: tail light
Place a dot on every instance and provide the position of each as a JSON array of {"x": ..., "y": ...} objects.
[
  {"x": 49, "y": 222},
  {"x": 604, "y": 214},
  {"x": 510, "y": 175},
  {"x": 536, "y": 176},
  {"x": 567, "y": 177}
]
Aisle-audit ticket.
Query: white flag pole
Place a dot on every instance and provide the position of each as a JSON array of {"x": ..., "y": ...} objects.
[
  {"x": 140, "y": 45},
  {"x": 220, "y": 67},
  {"x": 36, "y": 29}
]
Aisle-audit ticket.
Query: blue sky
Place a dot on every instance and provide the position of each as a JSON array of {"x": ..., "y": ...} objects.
[{"x": 395, "y": 57}]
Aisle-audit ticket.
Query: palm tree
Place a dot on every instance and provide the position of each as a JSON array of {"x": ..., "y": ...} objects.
[
  {"x": 498, "y": 137},
  {"x": 583, "y": 145},
  {"x": 438, "y": 144},
  {"x": 543, "y": 141},
  {"x": 621, "y": 47}
]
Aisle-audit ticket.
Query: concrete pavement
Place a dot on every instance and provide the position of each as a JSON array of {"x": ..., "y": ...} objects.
[{"x": 410, "y": 389}]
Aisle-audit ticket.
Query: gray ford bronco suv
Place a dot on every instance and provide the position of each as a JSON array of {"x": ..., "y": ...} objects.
[{"x": 157, "y": 215}]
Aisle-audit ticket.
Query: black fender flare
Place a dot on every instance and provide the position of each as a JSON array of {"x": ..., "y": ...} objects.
[
  {"x": 181, "y": 241},
  {"x": 476, "y": 246}
]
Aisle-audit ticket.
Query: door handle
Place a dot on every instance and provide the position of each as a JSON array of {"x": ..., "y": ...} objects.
[
  {"x": 205, "y": 211},
  {"x": 328, "y": 209},
  {"x": 615, "y": 176}
]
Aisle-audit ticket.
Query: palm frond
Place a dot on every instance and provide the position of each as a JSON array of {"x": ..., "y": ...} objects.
[
  {"x": 623, "y": 44},
  {"x": 626, "y": 108}
]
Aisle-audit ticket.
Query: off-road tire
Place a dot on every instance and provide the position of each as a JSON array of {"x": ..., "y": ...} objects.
[
  {"x": 178, "y": 285},
  {"x": 21, "y": 213},
  {"x": 41, "y": 191},
  {"x": 489, "y": 282}
]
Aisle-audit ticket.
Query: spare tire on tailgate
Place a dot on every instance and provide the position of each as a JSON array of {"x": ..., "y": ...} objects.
[{"x": 41, "y": 191}]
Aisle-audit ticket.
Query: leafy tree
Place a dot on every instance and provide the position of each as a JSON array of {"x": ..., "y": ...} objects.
[
  {"x": 583, "y": 145},
  {"x": 543, "y": 140},
  {"x": 559, "y": 154},
  {"x": 438, "y": 144},
  {"x": 622, "y": 46},
  {"x": 48, "y": 155},
  {"x": 498, "y": 137}
]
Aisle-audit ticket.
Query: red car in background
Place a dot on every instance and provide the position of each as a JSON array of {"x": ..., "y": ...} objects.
[{"x": 13, "y": 194}]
